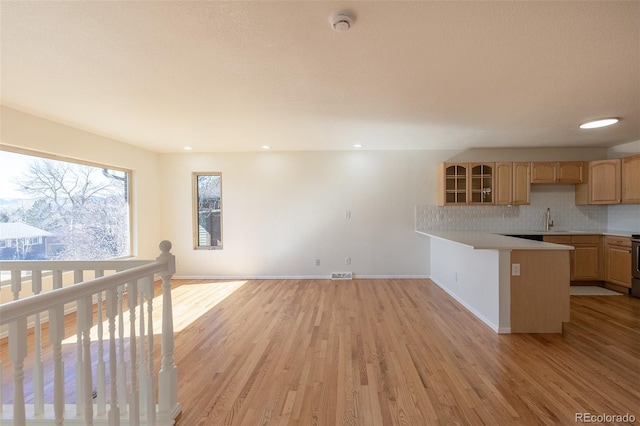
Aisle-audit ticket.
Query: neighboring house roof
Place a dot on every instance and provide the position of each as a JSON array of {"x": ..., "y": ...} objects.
[{"x": 14, "y": 230}]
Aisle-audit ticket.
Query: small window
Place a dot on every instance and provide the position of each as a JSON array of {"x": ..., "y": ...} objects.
[
  {"x": 207, "y": 217},
  {"x": 33, "y": 241}
]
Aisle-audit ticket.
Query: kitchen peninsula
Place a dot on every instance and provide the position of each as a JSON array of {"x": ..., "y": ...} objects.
[{"x": 511, "y": 284}]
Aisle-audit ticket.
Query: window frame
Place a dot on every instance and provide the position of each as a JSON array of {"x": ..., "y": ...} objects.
[
  {"x": 195, "y": 210},
  {"x": 56, "y": 157}
]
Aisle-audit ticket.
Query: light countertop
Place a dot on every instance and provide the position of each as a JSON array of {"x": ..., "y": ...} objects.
[{"x": 492, "y": 241}]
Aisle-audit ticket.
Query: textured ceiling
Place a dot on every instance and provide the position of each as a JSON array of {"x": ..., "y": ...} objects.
[{"x": 232, "y": 76}]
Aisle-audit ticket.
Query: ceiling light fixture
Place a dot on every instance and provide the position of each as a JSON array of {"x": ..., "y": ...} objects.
[
  {"x": 358, "y": 145},
  {"x": 266, "y": 147},
  {"x": 602, "y": 122},
  {"x": 187, "y": 148},
  {"x": 342, "y": 21}
]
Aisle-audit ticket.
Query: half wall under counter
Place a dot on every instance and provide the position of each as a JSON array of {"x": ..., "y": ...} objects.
[{"x": 478, "y": 270}]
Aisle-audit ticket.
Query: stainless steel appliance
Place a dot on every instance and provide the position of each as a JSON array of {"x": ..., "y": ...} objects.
[{"x": 635, "y": 265}]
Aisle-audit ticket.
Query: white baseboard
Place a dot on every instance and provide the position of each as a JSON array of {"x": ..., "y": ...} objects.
[{"x": 292, "y": 277}]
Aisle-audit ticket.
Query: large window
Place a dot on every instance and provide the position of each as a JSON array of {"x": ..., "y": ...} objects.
[
  {"x": 207, "y": 220},
  {"x": 57, "y": 209}
]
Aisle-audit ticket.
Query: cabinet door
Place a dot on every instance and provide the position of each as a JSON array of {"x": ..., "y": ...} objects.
[
  {"x": 543, "y": 172},
  {"x": 453, "y": 183},
  {"x": 585, "y": 263},
  {"x": 521, "y": 183},
  {"x": 481, "y": 183},
  {"x": 619, "y": 265},
  {"x": 504, "y": 187},
  {"x": 631, "y": 179},
  {"x": 604, "y": 182},
  {"x": 570, "y": 172}
]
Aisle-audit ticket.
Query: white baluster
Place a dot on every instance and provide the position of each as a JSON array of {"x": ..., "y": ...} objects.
[
  {"x": 56, "y": 335},
  {"x": 112, "y": 308},
  {"x": 16, "y": 284},
  {"x": 58, "y": 380},
  {"x": 100, "y": 368},
  {"x": 122, "y": 366},
  {"x": 151, "y": 400},
  {"x": 134, "y": 399},
  {"x": 85, "y": 317},
  {"x": 57, "y": 279},
  {"x": 142, "y": 368},
  {"x": 168, "y": 375},
  {"x": 38, "y": 370},
  {"x": 77, "y": 278},
  {"x": 17, "y": 353}
]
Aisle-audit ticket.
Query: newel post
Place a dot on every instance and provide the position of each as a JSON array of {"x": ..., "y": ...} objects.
[{"x": 168, "y": 405}]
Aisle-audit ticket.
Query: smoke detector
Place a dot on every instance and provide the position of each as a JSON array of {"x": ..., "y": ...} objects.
[{"x": 341, "y": 22}]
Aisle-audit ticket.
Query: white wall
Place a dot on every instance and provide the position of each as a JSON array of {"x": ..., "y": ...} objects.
[
  {"x": 473, "y": 278},
  {"x": 37, "y": 134},
  {"x": 283, "y": 210}
]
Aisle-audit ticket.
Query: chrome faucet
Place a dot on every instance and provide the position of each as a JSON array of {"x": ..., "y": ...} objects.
[{"x": 548, "y": 223}]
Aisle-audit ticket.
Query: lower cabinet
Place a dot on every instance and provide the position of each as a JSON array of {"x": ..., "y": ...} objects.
[
  {"x": 595, "y": 258},
  {"x": 585, "y": 258},
  {"x": 618, "y": 260}
]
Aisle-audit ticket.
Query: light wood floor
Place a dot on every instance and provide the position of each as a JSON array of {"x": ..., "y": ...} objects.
[
  {"x": 399, "y": 352},
  {"x": 391, "y": 352}
]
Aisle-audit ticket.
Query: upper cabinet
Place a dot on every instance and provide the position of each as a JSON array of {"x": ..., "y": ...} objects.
[
  {"x": 512, "y": 183},
  {"x": 612, "y": 181},
  {"x": 630, "y": 186},
  {"x": 453, "y": 182},
  {"x": 603, "y": 183},
  {"x": 465, "y": 183},
  {"x": 558, "y": 172},
  {"x": 482, "y": 183}
]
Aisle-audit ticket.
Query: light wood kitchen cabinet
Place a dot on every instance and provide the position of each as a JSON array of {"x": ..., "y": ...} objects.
[
  {"x": 453, "y": 182},
  {"x": 465, "y": 183},
  {"x": 630, "y": 185},
  {"x": 558, "y": 172},
  {"x": 512, "y": 183},
  {"x": 571, "y": 171},
  {"x": 618, "y": 260},
  {"x": 603, "y": 183},
  {"x": 543, "y": 172},
  {"x": 481, "y": 183},
  {"x": 585, "y": 258}
]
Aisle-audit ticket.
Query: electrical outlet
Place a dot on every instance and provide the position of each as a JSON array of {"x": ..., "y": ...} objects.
[
  {"x": 515, "y": 269},
  {"x": 347, "y": 261},
  {"x": 347, "y": 214},
  {"x": 317, "y": 262}
]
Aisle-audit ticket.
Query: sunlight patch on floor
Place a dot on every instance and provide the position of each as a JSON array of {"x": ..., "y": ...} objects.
[{"x": 190, "y": 302}]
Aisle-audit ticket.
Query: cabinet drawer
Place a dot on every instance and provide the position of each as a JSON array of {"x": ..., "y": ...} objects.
[
  {"x": 585, "y": 239},
  {"x": 618, "y": 241},
  {"x": 557, "y": 239}
]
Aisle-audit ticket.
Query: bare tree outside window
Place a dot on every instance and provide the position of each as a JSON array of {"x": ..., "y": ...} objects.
[
  {"x": 59, "y": 210},
  {"x": 207, "y": 221}
]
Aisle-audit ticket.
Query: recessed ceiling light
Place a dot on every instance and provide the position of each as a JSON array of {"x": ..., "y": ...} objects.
[
  {"x": 266, "y": 147},
  {"x": 358, "y": 145},
  {"x": 603, "y": 122},
  {"x": 187, "y": 148}
]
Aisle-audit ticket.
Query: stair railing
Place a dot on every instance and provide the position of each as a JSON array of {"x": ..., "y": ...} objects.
[{"x": 127, "y": 394}]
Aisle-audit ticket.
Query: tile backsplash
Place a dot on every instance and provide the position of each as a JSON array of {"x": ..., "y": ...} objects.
[{"x": 559, "y": 198}]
